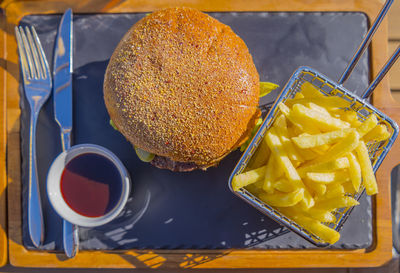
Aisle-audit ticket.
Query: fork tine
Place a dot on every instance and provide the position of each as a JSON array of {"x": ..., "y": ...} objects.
[
  {"x": 22, "y": 55},
  {"x": 35, "y": 53},
  {"x": 42, "y": 56},
  {"x": 28, "y": 53}
]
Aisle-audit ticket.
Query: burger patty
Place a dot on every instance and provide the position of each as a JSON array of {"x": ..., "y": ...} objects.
[{"x": 163, "y": 162}]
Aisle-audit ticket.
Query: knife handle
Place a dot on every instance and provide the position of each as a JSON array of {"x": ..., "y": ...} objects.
[
  {"x": 70, "y": 239},
  {"x": 70, "y": 231},
  {"x": 35, "y": 215},
  {"x": 65, "y": 139}
]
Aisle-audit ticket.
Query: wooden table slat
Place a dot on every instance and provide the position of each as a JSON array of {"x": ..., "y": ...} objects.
[
  {"x": 394, "y": 73},
  {"x": 3, "y": 175},
  {"x": 394, "y": 21}
]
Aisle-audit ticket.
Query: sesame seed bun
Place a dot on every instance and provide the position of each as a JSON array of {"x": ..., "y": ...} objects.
[{"x": 182, "y": 85}]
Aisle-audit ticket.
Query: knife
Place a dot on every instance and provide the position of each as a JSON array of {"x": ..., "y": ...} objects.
[{"x": 62, "y": 101}]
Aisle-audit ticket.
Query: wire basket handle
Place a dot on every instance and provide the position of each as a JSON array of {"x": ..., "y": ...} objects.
[
  {"x": 366, "y": 41},
  {"x": 381, "y": 73}
]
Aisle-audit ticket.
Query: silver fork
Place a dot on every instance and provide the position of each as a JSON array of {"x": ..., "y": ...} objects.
[{"x": 37, "y": 86}]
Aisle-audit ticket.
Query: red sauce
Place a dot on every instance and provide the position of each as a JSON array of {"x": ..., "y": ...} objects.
[{"x": 91, "y": 185}]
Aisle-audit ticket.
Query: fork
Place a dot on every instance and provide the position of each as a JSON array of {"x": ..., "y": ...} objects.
[{"x": 37, "y": 86}]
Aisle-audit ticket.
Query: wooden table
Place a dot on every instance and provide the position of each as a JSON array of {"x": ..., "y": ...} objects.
[
  {"x": 378, "y": 254},
  {"x": 394, "y": 42}
]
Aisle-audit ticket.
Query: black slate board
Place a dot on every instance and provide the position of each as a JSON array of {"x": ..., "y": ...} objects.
[{"x": 189, "y": 210}]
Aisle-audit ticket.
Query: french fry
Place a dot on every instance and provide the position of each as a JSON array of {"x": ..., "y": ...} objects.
[
  {"x": 318, "y": 108},
  {"x": 260, "y": 157},
  {"x": 307, "y": 154},
  {"x": 329, "y": 102},
  {"x": 379, "y": 133},
  {"x": 284, "y": 185},
  {"x": 269, "y": 175},
  {"x": 281, "y": 128},
  {"x": 334, "y": 190},
  {"x": 280, "y": 199},
  {"x": 302, "y": 124},
  {"x": 321, "y": 149},
  {"x": 324, "y": 123},
  {"x": 310, "y": 141},
  {"x": 335, "y": 203},
  {"x": 346, "y": 145},
  {"x": 298, "y": 96},
  {"x": 329, "y": 177},
  {"x": 349, "y": 188},
  {"x": 326, "y": 233},
  {"x": 336, "y": 164},
  {"x": 293, "y": 131},
  {"x": 351, "y": 117},
  {"x": 369, "y": 124},
  {"x": 247, "y": 178},
  {"x": 367, "y": 172},
  {"x": 317, "y": 188},
  {"x": 308, "y": 90},
  {"x": 307, "y": 201},
  {"x": 324, "y": 216},
  {"x": 354, "y": 171},
  {"x": 284, "y": 162},
  {"x": 314, "y": 226},
  {"x": 255, "y": 188}
]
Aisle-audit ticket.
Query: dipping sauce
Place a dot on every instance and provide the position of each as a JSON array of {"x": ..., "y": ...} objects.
[{"x": 91, "y": 185}]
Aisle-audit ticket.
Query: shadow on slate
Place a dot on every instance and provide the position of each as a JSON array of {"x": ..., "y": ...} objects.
[{"x": 194, "y": 210}]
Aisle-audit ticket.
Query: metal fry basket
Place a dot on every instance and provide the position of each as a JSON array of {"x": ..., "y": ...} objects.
[
  {"x": 327, "y": 87},
  {"x": 377, "y": 150}
]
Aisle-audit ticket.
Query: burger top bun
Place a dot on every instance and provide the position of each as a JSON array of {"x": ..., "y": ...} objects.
[{"x": 182, "y": 85}]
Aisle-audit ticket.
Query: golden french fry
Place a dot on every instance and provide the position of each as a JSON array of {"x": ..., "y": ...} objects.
[
  {"x": 369, "y": 124},
  {"x": 335, "y": 203},
  {"x": 298, "y": 96},
  {"x": 247, "y": 178},
  {"x": 329, "y": 177},
  {"x": 294, "y": 130},
  {"x": 308, "y": 154},
  {"x": 349, "y": 188},
  {"x": 284, "y": 162},
  {"x": 318, "y": 108},
  {"x": 351, "y": 117},
  {"x": 302, "y": 124},
  {"x": 321, "y": 149},
  {"x": 255, "y": 188},
  {"x": 324, "y": 216},
  {"x": 314, "y": 226},
  {"x": 332, "y": 103},
  {"x": 280, "y": 199},
  {"x": 379, "y": 133},
  {"x": 308, "y": 90},
  {"x": 367, "y": 172},
  {"x": 317, "y": 188},
  {"x": 310, "y": 141},
  {"x": 338, "y": 163},
  {"x": 326, "y": 233},
  {"x": 307, "y": 201},
  {"x": 355, "y": 171},
  {"x": 324, "y": 123},
  {"x": 260, "y": 157},
  {"x": 346, "y": 145},
  {"x": 269, "y": 175},
  {"x": 334, "y": 190},
  {"x": 281, "y": 128},
  {"x": 284, "y": 185}
]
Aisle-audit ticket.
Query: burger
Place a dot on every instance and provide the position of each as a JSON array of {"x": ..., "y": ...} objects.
[{"x": 183, "y": 89}]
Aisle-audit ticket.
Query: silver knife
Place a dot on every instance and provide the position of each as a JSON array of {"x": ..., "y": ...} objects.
[{"x": 62, "y": 100}]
